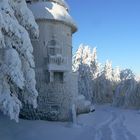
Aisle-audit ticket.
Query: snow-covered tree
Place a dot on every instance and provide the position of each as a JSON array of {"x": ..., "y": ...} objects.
[
  {"x": 81, "y": 64},
  {"x": 116, "y": 75},
  {"x": 93, "y": 82},
  {"x": 126, "y": 74},
  {"x": 77, "y": 58},
  {"x": 108, "y": 70},
  {"x": 16, "y": 59},
  {"x": 127, "y": 93},
  {"x": 103, "y": 85},
  {"x": 85, "y": 81},
  {"x": 86, "y": 64},
  {"x": 95, "y": 67}
]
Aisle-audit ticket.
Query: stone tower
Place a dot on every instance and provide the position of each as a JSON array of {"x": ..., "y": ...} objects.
[{"x": 56, "y": 83}]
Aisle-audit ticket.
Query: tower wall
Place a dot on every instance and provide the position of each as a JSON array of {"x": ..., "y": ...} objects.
[
  {"x": 61, "y": 33},
  {"x": 56, "y": 84},
  {"x": 55, "y": 97}
]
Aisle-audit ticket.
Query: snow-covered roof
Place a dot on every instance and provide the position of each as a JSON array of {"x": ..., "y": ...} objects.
[
  {"x": 51, "y": 11},
  {"x": 60, "y": 2}
]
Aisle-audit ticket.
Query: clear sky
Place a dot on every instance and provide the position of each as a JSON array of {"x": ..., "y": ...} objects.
[{"x": 113, "y": 26}]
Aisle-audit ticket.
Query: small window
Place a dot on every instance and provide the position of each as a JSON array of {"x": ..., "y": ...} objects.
[
  {"x": 28, "y": 1},
  {"x": 52, "y": 51},
  {"x": 52, "y": 43},
  {"x": 58, "y": 76}
]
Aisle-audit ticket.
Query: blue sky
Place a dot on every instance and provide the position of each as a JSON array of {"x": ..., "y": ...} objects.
[{"x": 113, "y": 26}]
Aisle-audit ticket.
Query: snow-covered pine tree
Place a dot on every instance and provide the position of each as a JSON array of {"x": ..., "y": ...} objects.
[
  {"x": 94, "y": 84},
  {"x": 81, "y": 64},
  {"x": 116, "y": 75},
  {"x": 94, "y": 65},
  {"x": 77, "y": 58},
  {"x": 103, "y": 85},
  {"x": 108, "y": 70},
  {"x": 16, "y": 59}
]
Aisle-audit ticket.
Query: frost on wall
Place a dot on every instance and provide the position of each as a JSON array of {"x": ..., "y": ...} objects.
[{"x": 16, "y": 59}]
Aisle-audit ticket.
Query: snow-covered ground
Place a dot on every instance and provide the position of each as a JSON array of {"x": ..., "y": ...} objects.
[{"x": 106, "y": 123}]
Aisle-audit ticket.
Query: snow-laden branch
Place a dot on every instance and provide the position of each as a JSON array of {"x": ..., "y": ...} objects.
[{"x": 16, "y": 59}]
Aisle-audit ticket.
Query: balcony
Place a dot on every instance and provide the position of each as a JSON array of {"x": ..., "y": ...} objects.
[
  {"x": 57, "y": 63},
  {"x": 56, "y": 59}
]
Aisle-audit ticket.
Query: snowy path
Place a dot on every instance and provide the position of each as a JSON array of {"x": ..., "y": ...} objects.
[
  {"x": 113, "y": 128},
  {"x": 106, "y": 123}
]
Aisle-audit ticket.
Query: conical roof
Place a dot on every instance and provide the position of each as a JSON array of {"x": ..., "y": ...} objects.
[
  {"x": 60, "y": 2},
  {"x": 52, "y": 10}
]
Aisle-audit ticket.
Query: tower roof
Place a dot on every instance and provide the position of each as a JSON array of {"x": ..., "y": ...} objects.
[
  {"x": 52, "y": 10},
  {"x": 60, "y": 2}
]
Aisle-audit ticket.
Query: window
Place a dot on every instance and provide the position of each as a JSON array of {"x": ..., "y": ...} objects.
[
  {"x": 52, "y": 51},
  {"x": 52, "y": 43},
  {"x": 28, "y": 1},
  {"x": 54, "y": 47},
  {"x": 58, "y": 76}
]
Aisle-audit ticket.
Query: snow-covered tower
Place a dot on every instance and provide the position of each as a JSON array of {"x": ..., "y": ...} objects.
[
  {"x": 53, "y": 50},
  {"x": 56, "y": 83}
]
